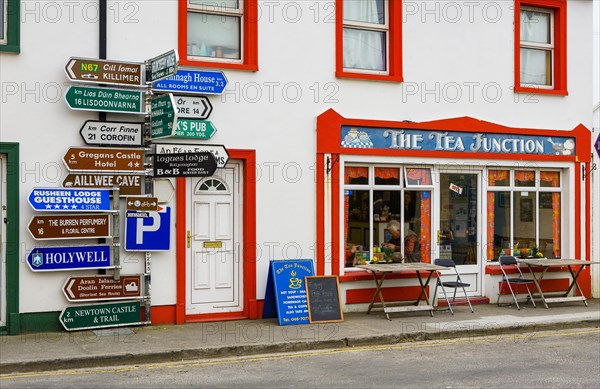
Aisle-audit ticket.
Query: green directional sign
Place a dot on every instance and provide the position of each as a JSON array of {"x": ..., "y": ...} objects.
[
  {"x": 163, "y": 116},
  {"x": 105, "y": 99},
  {"x": 100, "y": 316},
  {"x": 196, "y": 129}
]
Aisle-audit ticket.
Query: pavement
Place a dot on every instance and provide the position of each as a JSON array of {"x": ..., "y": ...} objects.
[{"x": 173, "y": 343}]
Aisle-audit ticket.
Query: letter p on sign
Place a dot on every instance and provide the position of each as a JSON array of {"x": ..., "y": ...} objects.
[{"x": 149, "y": 234}]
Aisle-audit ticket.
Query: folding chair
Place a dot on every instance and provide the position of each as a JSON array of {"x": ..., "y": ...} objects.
[
  {"x": 451, "y": 284},
  {"x": 511, "y": 262}
]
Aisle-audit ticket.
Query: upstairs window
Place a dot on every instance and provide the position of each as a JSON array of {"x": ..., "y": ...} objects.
[{"x": 9, "y": 26}]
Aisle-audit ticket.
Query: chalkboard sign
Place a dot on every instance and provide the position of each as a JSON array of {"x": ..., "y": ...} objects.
[{"x": 323, "y": 295}]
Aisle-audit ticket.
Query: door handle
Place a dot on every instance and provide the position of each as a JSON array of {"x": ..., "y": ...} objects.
[
  {"x": 189, "y": 238},
  {"x": 440, "y": 236}
]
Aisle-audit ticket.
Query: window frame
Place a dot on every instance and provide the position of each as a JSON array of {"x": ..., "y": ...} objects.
[
  {"x": 393, "y": 28},
  {"x": 558, "y": 31},
  {"x": 12, "y": 28},
  {"x": 248, "y": 14}
]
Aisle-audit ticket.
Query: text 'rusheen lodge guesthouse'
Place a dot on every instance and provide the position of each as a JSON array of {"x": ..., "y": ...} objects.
[{"x": 340, "y": 131}]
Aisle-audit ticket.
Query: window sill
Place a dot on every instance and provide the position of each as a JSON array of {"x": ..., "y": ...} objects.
[
  {"x": 218, "y": 65},
  {"x": 10, "y": 49},
  {"x": 366, "y": 76},
  {"x": 557, "y": 92}
]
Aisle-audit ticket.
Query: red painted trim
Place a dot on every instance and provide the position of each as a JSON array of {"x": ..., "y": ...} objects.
[
  {"x": 250, "y": 44},
  {"x": 335, "y": 214},
  {"x": 180, "y": 248},
  {"x": 320, "y": 216},
  {"x": 163, "y": 314},
  {"x": 398, "y": 293},
  {"x": 560, "y": 46},
  {"x": 366, "y": 276},
  {"x": 554, "y": 285},
  {"x": 394, "y": 45}
]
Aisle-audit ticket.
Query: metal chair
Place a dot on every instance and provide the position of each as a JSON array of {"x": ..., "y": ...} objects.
[
  {"x": 451, "y": 284},
  {"x": 510, "y": 262}
]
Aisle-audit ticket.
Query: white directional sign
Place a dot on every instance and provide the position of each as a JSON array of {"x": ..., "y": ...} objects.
[
  {"x": 219, "y": 151},
  {"x": 112, "y": 133},
  {"x": 193, "y": 107}
]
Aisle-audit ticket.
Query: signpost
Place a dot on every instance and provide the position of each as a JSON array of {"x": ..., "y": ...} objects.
[
  {"x": 67, "y": 199},
  {"x": 70, "y": 226},
  {"x": 194, "y": 129},
  {"x": 105, "y": 72},
  {"x": 87, "y": 98},
  {"x": 142, "y": 203},
  {"x": 163, "y": 117},
  {"x": 95, "y": 288},
  {"x": 165, "y": 65},
  {"x": 201, "y": 164},
  {"x": 69, "y": 258},
  {"x": 193, "y": 107},
  {"x": 103, "y": 158},
  {"x": 129, "y": 184},
  {"x": 112, "y": 133},
  {"x": 219, "y": 151},
  {"x": 193, "y": 82},
  {"x": 101, "y": 316}
]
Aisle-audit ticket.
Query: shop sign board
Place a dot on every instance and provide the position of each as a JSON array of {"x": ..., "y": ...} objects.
[
  {"x": 201, "y": 164},
  {"x": 219, "y": 151},
  {"x": 70, "y": 226},
  {"x": 129, "y": 184},
  {"x": 194, "y": 129},
  {"x": 112, "y": 133},
  {"x": 162, "y": 66},
  {"x": 68, "y": 199},
  {"x": 141, "y": 203},
  {"x": 69, "y": 258},
  {"x": 104, "y": 159},
  {"x": 163, "y": 117},
  {"x": 87, "y": 98},
  {"x": 193, "y": 107},
  {"x": 96, "y": 288},
  {"x": 103, "y": 71},
  {"x": 85, "y": 317},
  {"x": 151, "y": 233},
  {"x": 197, "y": 82}
]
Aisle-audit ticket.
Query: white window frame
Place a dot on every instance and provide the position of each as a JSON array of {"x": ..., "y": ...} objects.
[
  {"x": 4, "y": 26},
  {"x": 540, "y": 46},
  {"x": 376, "y": 27},
  {"x": 224, "y": 11}
]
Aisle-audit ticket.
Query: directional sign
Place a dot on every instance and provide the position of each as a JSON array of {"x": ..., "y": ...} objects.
[
  {"x": 193, "y": 107},
  {"x": 149, "y": 234},
  {"x": 70, "y": 226},
  {"x": 163, "y": 117},
  {"x": 112, "y": 133},
  {"x": 597, "y": 145},
  {"x": 129, "y": 184},
  {"x": 69, "y": 258},
  {"x": 72, "y": 200},
  {"x": 105, "y": 72},
  {"x": 141, "y": 203},
  {"x": 194, "y": 129},
  {"x": 165, "y": 65},
  {"x": 219, "y": 151},
  {"x": 104, "y": 99},
  {"x": 103, "y": 158},
  {"x": 201, "y": 164},
  {"x": 95, "y": 288},
  {"x": 101, "y": 316},
  {"x": 193, "y": 82}
]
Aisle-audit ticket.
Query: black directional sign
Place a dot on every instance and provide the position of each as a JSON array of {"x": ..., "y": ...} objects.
[{"x": 201, "y": 164}]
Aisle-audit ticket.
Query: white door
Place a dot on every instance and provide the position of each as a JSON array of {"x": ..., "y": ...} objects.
[
  {"x": 2, "y": 241},
  {"x": 213, "y": 240}
]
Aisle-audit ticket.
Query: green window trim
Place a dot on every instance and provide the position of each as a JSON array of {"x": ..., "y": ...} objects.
[{"x": 13, "y": 30}]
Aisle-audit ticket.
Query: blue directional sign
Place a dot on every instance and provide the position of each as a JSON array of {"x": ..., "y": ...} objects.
[
  {"x": 69, "y": 258},
  {"x": 597, "y": 145},
  {"x": 152, "y": 233},
  {"x": 70, "y": 199},
  {"x": 197, "y": 82}
]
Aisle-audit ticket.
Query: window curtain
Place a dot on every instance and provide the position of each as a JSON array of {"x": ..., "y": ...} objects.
[
  {"x": 355, "y": 172},
  {"x": 497, "y": 175},
  {"x": 425, "y": 226},
  {"x": 522, "y": 175},
  {"x": 491, "y": 204},
  {"x": 364, "y": 49},
  {"x": 535, "y": 63},
  {"x": 387, "y": 173},
  {"x": 422, "y": 176},
  {"x": 554, "y": 179}
]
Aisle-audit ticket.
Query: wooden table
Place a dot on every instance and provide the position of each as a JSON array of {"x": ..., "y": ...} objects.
[
  {"x": 547, "y": 264},
  {"x": 380, "y": 271}
]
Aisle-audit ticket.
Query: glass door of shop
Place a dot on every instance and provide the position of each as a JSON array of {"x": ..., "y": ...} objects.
[{"x": 458, "y": 229}]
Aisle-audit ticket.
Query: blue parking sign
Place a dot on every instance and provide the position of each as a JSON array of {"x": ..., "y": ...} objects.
[{"x": 152, "y": 233}]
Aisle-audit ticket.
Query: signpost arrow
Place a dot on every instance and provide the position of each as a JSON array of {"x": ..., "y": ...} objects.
[
  {"x": 193, "y": 82},
  {"x": 193, "y": 107},
  {"x": 69, "y": 258},
  {"x": 129, "y": 184},
  {"x": 142, "y": 203},
  {"x": 105, "y": 72},
  {"x": 219, "y": 151},
  {"x": 66, "y": 199},
  {"x": 70, "y": 226},
  {"x": 85, "y": 317},
  {"x": 163, "y": 117},
  {"x": 96, "y": 288},
  {"x": 196, "y": 129},
  {"x": 104, "y": 99},
  {"x": 202, "y": 164},
  {"x": 112, "y": 133},
  {"x": 165, "y": 65},
  {"x": 103, "y": 158}
]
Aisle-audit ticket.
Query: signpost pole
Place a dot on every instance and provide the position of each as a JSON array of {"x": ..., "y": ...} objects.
[
  {"x": 115, "y": 240},
  {"x": 147, "y": 287}
]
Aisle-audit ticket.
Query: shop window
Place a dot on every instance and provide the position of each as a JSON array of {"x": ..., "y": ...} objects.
[
  {"x": 417, "y": 176},
  {"x": 525, "y": 178},
  {"x": 498, "y": 178},
  {"x": 356, "y": 175},
  {"x": 540, "y": 33},
  {"x": 219, "y": 33},
  {"x": 9, "y": 26},
  {"x": 368, "y": 39},
  {"x": 549, "y": 179},
  {"x": 387, "y": 176}
]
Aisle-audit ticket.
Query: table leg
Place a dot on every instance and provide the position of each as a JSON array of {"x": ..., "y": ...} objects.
[
  {"x": 537, "y": 282},
  {"x": 378, "y": 292},
  {"x": 424, "y": 290},
  {"x": 574, "y": 283}
]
